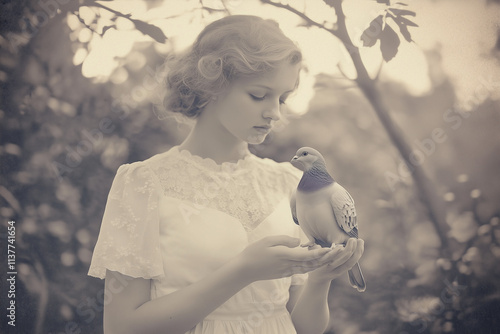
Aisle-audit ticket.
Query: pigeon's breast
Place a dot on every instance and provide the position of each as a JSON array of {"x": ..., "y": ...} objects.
[{"x": 316, "y": 216}]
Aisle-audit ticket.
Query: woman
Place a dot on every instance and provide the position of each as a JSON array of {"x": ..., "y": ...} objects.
[{"x": 199, "y": 239}]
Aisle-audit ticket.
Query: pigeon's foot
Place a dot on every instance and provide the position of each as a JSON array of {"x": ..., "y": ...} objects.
[{"x": 310, "y": 244}]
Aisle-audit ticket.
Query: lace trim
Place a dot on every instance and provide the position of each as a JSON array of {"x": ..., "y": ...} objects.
[
  {"x": 210, "y": 164},
  {"x": 248, "y": 190}
]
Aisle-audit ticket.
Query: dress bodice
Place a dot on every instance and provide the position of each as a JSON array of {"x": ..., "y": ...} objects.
[{"x": 176, "y": 217}]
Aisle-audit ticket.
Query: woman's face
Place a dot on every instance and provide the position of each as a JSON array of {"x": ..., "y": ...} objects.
[{"x": 250, "y": 107}]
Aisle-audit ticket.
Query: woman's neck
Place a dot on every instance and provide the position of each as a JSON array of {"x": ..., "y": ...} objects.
[{"x": 220, "y": 146}]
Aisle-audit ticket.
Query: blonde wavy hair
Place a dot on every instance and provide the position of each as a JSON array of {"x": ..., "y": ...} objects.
[{"x": 233, "y": 47}]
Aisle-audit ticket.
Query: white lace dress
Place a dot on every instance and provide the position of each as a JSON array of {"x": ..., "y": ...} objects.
[{"x": 176, "y": 217}]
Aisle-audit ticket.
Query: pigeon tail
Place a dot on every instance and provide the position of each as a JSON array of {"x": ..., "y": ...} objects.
[{"x": 356, "y": 278}]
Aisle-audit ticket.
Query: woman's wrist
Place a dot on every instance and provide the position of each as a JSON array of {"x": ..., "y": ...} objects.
[
  {"x": 318, "y": 279},
  {"x": 239, "y": 271}
]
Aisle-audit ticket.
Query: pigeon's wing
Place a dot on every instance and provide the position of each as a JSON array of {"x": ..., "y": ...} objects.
[
  {"x": 293, "y": 208},
  {"x": 344, "y": 210}
]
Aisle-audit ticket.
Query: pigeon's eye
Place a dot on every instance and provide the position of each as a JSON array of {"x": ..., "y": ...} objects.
[{"x": 305, "y": 153}]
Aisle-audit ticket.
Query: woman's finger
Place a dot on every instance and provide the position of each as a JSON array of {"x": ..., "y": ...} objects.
[
  {"x": 305, "y": 267},
  {"x": 353, "y": 258},
  {"x": 300, "y": 254},
  {"x": 280, "y": 240}
]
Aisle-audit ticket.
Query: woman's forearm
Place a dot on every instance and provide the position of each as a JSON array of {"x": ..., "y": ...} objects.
[
  {"x": 311, "y": 314},
  {"x": 181, "y": 310},
  {"x": 272, "y": 257}
]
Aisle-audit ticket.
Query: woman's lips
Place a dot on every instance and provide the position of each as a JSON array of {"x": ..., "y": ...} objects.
[{"x": 263, "y": 129}]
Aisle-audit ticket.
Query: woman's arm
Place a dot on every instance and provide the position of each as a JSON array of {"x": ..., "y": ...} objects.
[
  {"x": 130, "y": 310},
  {"x": 310, "y": 313}
]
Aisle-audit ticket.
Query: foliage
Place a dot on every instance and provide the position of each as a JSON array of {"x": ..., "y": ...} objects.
[
  {"x": 64, "y": 135},
  {"x": 379, "y": 29},
  {"x": 63, "y": 138}
]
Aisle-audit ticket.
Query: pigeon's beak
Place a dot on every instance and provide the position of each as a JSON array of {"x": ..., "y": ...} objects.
[{"x": 296, "y": 162}]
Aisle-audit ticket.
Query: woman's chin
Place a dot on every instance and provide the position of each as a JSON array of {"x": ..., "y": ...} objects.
[{"x": 256, "y": 139}]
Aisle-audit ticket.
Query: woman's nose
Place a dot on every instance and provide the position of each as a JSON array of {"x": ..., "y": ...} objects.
[{"x": 273, "y": 112}]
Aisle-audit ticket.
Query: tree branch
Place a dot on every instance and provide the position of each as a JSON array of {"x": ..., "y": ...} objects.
[
  {"x": 341, "y": 31},
  {"x": 226, "y": 8},
  {"x": 82, "y": 21},
  {"x": 211, "y": 10},
  {"x": 379, "y": 71},
  {"x": 424, "y": 186},
  {"x": 117, "y": 13},
  {"x": 303, "y": 16}
]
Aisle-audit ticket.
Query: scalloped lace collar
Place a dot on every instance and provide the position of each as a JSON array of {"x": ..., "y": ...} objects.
[{"x": 210, "y": 164}]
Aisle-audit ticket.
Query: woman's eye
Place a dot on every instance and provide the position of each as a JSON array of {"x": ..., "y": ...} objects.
[
  {"x": 257, "y": 98},
  {"x": 263, "y": 97}
]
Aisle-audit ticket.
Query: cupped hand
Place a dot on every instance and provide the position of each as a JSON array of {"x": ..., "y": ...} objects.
[
  {"x": 339, "y": 260},
  {"x": 279, "y": 256}
]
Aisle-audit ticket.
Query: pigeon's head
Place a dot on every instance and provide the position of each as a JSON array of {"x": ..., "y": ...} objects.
[{"x": 306, "y": 158}]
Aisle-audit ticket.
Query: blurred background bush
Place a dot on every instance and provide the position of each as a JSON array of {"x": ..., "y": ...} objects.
[{"x": 78, "y": 83}]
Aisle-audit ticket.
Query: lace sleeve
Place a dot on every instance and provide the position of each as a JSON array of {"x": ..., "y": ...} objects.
[{"x": 129, "y": 237}]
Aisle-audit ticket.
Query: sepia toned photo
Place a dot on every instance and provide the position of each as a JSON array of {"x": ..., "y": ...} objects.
[{"x": 250, "y": 166}]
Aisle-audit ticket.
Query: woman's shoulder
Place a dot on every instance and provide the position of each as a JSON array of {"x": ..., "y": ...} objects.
[{"x": 144, "y": 170}]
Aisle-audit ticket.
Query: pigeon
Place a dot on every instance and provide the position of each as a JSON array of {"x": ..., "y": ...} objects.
[{"x": 323, "y": 208}]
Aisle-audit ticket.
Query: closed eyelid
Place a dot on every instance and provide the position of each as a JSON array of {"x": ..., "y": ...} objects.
[
  {"x": 262, "y": 98},
  {"x": 257, "y": 96}
]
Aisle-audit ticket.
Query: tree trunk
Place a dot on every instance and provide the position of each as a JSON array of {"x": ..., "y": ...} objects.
[{"x": 425, "y": 188}]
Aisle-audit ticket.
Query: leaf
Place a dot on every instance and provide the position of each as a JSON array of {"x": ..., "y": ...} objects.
[
  {"x": 407, "y": 22},
  {"x": 150, "y": 30},
  {"x": 330, "y": 3},
  {"x": 389, "y": 43},
  {"x": 400, "y": 3},
  {"x": 387, "y": 2},
  {"x": 404, "y": 31},
  {"x": 403, "y": 24},
  {"x": 400, "y": 12},
  {"x": 373, "y": 32}
]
